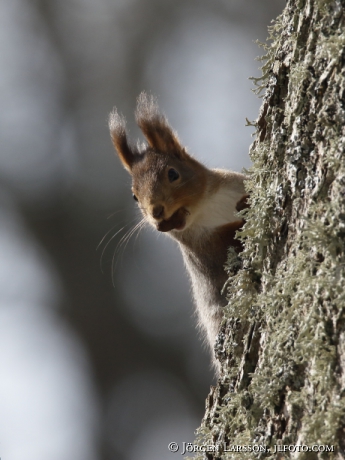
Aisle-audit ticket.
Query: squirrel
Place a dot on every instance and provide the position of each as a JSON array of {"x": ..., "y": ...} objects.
[{"x": 180, "y": 196}]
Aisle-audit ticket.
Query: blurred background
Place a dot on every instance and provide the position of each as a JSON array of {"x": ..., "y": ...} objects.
[{"x": 99, "y": 355}]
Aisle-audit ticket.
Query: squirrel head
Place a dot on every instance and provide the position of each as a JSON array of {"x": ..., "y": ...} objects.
[{"x": 166, "y": 181}]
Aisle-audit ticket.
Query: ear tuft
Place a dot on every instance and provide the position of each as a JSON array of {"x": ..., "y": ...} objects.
[
  {"x": 155, "y": 126},
  {"x": 117, "y": 126},
  {"x": 117, "y": 123},
  {"x": 147, "y": 109}
]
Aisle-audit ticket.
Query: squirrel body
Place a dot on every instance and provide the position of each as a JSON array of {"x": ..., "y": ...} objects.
[
  {"x": 204, "y": 245},
  {"x": 194, "y": 205}
]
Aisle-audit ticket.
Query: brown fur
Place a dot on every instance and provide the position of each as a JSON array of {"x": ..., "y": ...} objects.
[
  {"x": 197, "y": 208},
  {"x": 155, "y": 127},
  {"x": 117, "y": 126}
]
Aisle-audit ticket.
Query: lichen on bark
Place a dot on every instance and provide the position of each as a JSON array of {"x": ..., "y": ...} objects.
[{"x": 282, "y": 343}]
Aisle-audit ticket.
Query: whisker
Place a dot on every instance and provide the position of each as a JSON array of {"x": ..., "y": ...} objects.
[
  {"x": 124, "y": 242},
  {"x": 111, "y": 239},
  {"x": 105, "y": 247},
  {"x": 140, "y": 229},
  {"x": 104, "y": 237},
  {"x": 114, "y": 213},
  {"x": 127, "y": 236}
]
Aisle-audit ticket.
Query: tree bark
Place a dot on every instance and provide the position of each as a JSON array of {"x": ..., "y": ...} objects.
[{"x": 282, "y": 344}]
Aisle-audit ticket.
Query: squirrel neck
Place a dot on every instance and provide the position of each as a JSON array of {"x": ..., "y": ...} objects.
[
  {"x": 216, "y": 207},
  {"x": 205, "y": 242}
]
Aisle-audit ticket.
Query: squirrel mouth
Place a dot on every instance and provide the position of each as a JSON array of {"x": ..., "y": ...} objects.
[{"x": 176, "y": 222}]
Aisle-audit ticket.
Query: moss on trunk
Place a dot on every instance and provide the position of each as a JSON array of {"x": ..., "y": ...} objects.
[{"x": 282, "y": 345}]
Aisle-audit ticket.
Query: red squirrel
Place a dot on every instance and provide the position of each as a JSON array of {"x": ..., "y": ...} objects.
[{"x": 194, "y": 205}]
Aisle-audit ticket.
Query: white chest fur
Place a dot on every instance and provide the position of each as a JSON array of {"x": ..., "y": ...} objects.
[{"x": 217, "y": 209}]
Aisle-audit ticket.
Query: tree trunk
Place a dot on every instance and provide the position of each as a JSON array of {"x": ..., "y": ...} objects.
[{"x": 282, "y": 345}]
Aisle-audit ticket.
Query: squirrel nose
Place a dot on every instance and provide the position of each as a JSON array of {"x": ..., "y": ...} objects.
[{"x": 158, "y": 211}]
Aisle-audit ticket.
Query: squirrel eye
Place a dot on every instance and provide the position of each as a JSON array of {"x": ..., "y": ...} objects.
[
  {"x": 173, "y": 175},
  {"x": 135, "y": 197}
]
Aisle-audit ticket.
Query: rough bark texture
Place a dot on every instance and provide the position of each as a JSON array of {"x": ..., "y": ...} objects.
[{"x": 282, "y": 346}]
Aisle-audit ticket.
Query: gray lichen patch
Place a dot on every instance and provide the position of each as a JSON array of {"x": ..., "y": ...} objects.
[{"x": 282, "y": 342}]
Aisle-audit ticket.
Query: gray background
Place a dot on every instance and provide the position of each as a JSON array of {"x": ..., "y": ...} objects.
[{"x": 99, "y": 356}]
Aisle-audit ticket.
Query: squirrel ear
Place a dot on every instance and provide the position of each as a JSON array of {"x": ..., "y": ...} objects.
[
  {"x": 117, "y": 126},
  {"x": 155, "y": 126}
]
